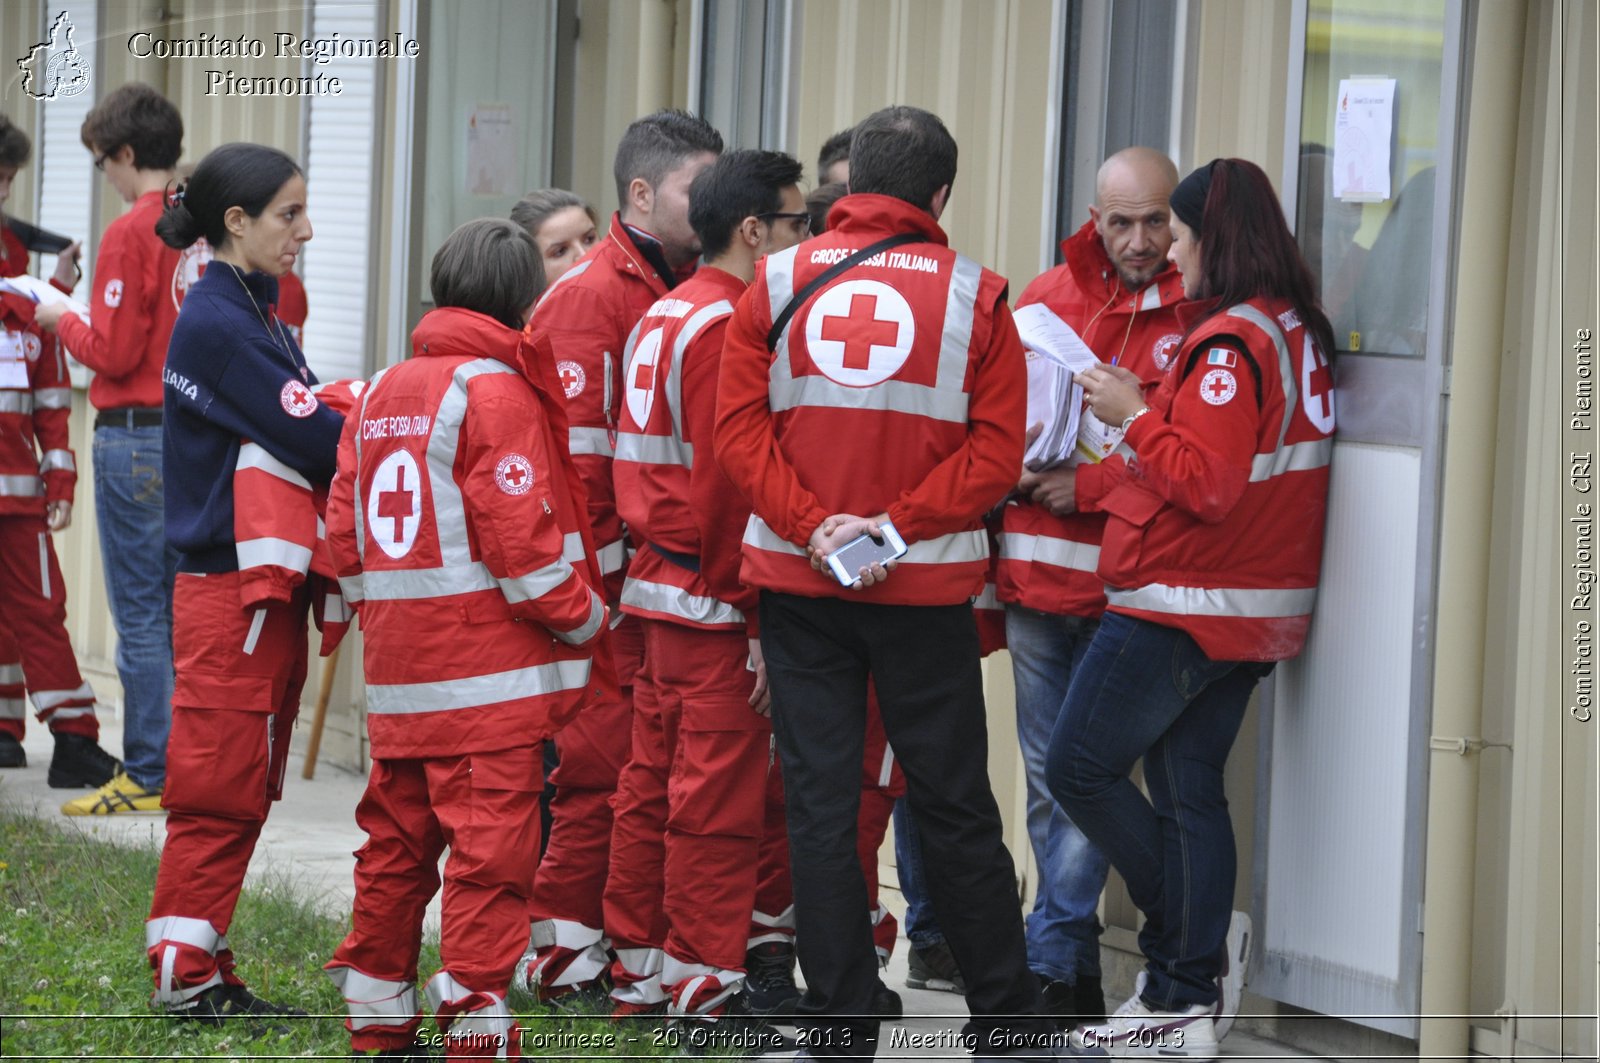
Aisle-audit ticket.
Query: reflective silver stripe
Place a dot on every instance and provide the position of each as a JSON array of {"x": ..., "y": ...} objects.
[
  {"x": 268, "y": 551},
  {"x": 587, "y": 630},
  {"x": 675, "y": 601},
  {"x": 58, "y": 460},
  {"x": 959, "y": 309},
  {"x": 572, "y": 547},
  {"x": 1286, "y": 373},
  {"x": 336, "y": 609},
  {"x": 13, "y": 709},
  {"x": 355, "y": 492},
  {"x": 696, "y": 324},
  {"x": 953, "y": 549},
  {"x": 654, "y": 450},
  {"x": 1291, "y": 457},
  {"x": 196, "y": 933},
  {"x": 780, "y": 289},
  {"x": 44, "y": 565},
  {"x": 584, "y": 440},
  {"x": 354, "y": 588},
  {"x": 490, "y": 1021},
  {"x": 374, "y": 1001},
  {"x": 449, "y": 694},
  {"x": 449, "y": 512},
  {"x": 255, "y": 456},
  {"x": 399, "y": 584},
  {"x": 73, "y": 713},
  {"x": 45, "y": 700},
  {"x": 11, "y": 673},
  {"x": 21, "y": 486},
  {"x": 16, "y": 402},
  {"x": 535, "y": 584},
  {"x": 1248, "y": 603},
  {"x": 1047, "y": 550},
  {"x": 988, "y": 598},
  {"x": 257, "y": 621},
  {"x": 612, "y": 557},
  {"x": 53, "y": 398},
  {"x": 572, "y": 274},
  {"x": 892, "y": 396},
  {"x": 564, "y": 934}
]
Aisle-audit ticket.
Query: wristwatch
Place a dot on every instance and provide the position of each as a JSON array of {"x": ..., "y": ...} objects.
[{"x": 1134, "y": 416}]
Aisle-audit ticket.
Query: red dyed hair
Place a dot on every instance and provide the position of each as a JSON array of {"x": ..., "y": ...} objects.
[{"x": 1247, "y": 251}]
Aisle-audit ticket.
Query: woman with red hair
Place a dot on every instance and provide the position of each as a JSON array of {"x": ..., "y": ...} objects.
[{"x": 1211, "y": 557}]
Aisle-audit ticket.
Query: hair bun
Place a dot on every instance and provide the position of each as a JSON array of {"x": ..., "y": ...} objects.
[{"x": 177, "y": 227}]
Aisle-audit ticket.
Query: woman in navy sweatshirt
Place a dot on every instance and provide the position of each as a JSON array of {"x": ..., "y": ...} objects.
[{"x": 233, "y": 373}]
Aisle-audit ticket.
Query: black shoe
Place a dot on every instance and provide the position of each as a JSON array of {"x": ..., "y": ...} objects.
[
  {"x": 732, "y": 1029},
  {"x": 769, "y": 979},
  {"x": 79, "y": 763},
  {"x": 886, "y": 1004},
  {"x": 935, "y": 968},
  {"x": 1072, "y": 1005},
  {"x": 230, "y": 1003},
  {"x": 11, "y": 754},
  {"x": 1091, "y": 1001}
]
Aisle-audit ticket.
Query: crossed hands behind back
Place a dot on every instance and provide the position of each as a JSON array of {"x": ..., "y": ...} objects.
[{"x": 836, "y": 531}]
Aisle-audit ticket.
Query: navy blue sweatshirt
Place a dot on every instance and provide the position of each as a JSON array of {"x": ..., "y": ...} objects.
[{"x": 228, "y": 377}]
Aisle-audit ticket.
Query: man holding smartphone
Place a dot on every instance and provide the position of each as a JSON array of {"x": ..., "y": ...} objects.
[{"x": 891, "y": 391}]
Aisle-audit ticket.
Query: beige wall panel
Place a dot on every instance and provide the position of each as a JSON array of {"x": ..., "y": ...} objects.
[{"x": 1237, "y": 81}]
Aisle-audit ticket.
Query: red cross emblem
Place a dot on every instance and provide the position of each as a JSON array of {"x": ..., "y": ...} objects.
[
  {"x": 572, "y": 378},
  {"x": 396, "y": 497},
  {"x": 1316, "y": 387},
  {"x": 860, "y": 333},
  {"x": 396, "y": 504},
  {"x": 513, "y": 474},
  {"x": 1218, "y": 387},
  {"x": 643, "y": 365}
]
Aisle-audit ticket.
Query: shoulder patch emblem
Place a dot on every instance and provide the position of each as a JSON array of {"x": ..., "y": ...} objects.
[
  {"x": 572, "y": 378},
  {"x": 31, "y": 347},
  {"x": 297, "y": 400},
  {"x": 513, "y": 474},
  {"x": 1165, "y": 348},
  {"x": 113, "y": 293},
  {"x": 1218, "y": 387}
]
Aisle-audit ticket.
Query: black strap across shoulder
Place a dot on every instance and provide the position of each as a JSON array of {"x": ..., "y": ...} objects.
[{"x": 799, "y": 299}]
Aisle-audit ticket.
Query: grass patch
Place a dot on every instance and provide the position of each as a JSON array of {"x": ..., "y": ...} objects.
[{"x": 74, "y": 983}]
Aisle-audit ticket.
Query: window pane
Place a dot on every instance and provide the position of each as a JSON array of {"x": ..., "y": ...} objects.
[{"x": 1372, "y": 259}]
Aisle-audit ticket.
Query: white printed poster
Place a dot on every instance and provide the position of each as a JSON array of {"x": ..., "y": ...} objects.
[
  {"x": 491, "y": 151},
  {"x": 1363, "y": 126}
]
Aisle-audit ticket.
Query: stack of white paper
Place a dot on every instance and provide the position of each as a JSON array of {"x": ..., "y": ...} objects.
[
  {"x": 42, "y": 292},
  {"x": 1055, "y": 352}
]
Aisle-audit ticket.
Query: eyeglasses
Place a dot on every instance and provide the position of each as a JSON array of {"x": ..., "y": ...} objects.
[
  {"x": 799, "y": 216},
  {"x": 100, "y": 162}
]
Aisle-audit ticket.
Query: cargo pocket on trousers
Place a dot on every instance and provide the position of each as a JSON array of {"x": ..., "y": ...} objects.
[
  {"x": 217, "y": 762},
  {"x": 502, "y": 840}
]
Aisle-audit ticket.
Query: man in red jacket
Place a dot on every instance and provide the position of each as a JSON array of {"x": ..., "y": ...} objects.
[
  {"x": 586, "y": 317},
  {"x": 135, "y": 135},
  {"x": 1115, "y": 290},
  {"x": 684, "y": 854},
  {"x": 894, "y": 393}
]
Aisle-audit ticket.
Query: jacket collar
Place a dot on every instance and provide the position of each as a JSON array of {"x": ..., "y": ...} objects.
[
  {"x": 639, "y": 255},
  {"x": 868, "y": 214}
]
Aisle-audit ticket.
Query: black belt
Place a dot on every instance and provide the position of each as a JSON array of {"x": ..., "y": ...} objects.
[
  {"x": 688, "y": 561},
  {"x": 129, "y": 417}
]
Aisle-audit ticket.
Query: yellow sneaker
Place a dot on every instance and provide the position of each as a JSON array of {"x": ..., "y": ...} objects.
[{"x": 120, "y": 795}]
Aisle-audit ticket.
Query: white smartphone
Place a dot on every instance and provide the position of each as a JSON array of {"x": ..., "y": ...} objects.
[{"x": 847, "y": 562}]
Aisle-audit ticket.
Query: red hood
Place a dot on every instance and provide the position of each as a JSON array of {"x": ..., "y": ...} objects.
[
  {"x": 451, "y": 332},
  {"x": 866, "y": 213}
]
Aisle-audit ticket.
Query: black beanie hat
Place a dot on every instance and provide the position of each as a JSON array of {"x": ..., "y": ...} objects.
[{"x": 1189, "y": 198}]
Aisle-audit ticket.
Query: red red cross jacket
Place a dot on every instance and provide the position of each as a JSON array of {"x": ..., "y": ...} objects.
[
  {"x": 279, "y": 529},
  {"x": 685, "y": 516},
  {"x": 455, "y": 522},
  {"x": 1048, "y": 562},
  {"x": 36, "y": 461},
  {"x": 900, "y": 387},
  {"x": 1216, "y": 526},
  {"x": 587, "y": 316}
]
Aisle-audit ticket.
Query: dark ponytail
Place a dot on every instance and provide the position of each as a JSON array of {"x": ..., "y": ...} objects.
[{"x": 235, "y": 175}]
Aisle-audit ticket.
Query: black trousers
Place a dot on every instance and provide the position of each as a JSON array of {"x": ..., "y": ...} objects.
[{"x": 924, "y": 661}]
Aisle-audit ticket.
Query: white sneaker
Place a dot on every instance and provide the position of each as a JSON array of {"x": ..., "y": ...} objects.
[
  {"x": 1137, "y": 1032},
  {"x": 1235, "y": 966}
]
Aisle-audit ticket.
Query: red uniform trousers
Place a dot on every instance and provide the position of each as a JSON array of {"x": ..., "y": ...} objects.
[
  {"x": 484, "y": 807},
  {"x": 691, "y": 811},
  {"x": 568, "y": 936},
  {"x": 35, "y": 651},
  {"x": 234, "y": 701}
]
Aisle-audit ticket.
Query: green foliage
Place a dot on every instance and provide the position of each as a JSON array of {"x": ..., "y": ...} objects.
[{"x": 74, "y": 982}]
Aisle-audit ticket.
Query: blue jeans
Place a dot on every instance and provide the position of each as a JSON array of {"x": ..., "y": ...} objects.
[
  {"x": 1063, "y": 928},
  {"x": 139, "y": 569},
  {"x": 922, "y": 928},
  {"x": 1143, "y": 690}
]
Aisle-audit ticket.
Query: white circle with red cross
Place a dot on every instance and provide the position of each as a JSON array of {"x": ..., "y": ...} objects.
[
  {"x": 1163, "y": 350},
  {"x": 513, "y": 474},
  {"x": 639, "y": 379},
  {"x": 1218, "y": 387},
  {"x": 297, "y": 400},
  {"x": 394, "y": 504},
  {"x": 192, "y": 262},
  {"x": 572, "y": 378},
  {"x": 31, "y": 347},
  {"x": 1316, "y": 387},
  {"x": 859, "y": 333}
]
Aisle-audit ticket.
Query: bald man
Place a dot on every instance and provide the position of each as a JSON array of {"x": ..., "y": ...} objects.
[{"x": 1115, "y": 289}]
